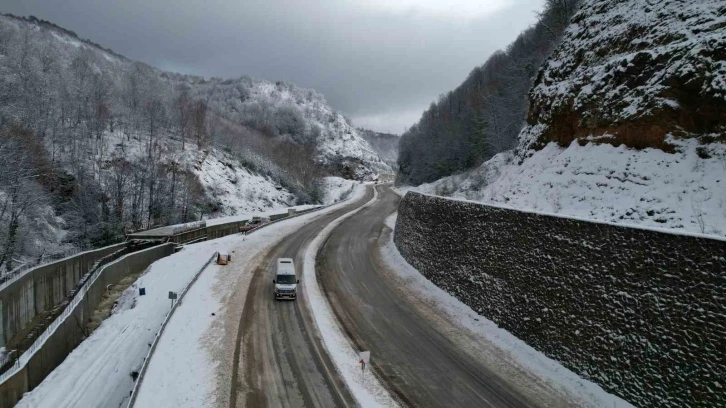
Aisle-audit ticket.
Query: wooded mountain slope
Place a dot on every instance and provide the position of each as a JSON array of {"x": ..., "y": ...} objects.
[
  {"x": 626, "y": 122},
  {"x": 484, "y": 115},
  {"x": 93, "y": 144}
]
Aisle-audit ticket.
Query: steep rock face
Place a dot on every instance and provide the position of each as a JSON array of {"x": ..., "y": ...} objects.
[{"x": 632, "y": 72}]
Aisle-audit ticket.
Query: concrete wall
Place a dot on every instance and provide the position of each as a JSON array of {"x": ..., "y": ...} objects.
[
  {"x": 640, "y": 312},
  {"x": 43, "y": 287},
  {"x": 53, "y": 347},
  {"x": 221, "y": 230}
]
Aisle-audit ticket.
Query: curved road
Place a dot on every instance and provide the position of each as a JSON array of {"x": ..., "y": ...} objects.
[
  {"x": 285, "y": 364},
  {"x": 420, "y": 360},
  {"x": 415, "y": 358}
]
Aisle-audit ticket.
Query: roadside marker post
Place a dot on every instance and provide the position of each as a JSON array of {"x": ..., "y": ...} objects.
[
  {"x": 172, "y": 296},
  {"x": 365, "y": 358}
]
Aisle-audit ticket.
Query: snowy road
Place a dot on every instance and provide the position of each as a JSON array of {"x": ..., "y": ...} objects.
[
  {"x": 230, "y": 344},
  {"x": 422, "y": 360},
  {"x": 280, "y": 359}
]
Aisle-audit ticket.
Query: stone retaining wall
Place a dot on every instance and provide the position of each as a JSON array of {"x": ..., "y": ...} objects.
[{"x": 640, "y": 312}]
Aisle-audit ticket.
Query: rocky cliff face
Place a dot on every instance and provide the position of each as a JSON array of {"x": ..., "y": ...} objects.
[{"x": 634, "y": 72}]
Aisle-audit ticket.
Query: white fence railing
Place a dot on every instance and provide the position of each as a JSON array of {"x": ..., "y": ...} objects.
[
  {"x": 12, "y": 276},
  {"x": 147, "y": 360}
]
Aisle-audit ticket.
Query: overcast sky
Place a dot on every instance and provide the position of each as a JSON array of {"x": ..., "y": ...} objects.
[{"x": 381, "y": 62}]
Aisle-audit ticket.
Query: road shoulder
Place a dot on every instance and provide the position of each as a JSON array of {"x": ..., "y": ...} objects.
[
  {"x": 532, "y": 373},
  {"x": 194, "y": 360}
]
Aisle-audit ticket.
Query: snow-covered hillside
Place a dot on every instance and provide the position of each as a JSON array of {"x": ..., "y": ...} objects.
[
  {"x": 617, "y": 184},
  {"x": 278, "y": 109},
  {"x": 228, "y": 186},
  {"x": 385, "y": 144},
  {"x": 337, "y": 189},
  {"x": 110, "y": 145},
  {"x": 626, "y": 122},
  {"x": 286, "y": 111}
]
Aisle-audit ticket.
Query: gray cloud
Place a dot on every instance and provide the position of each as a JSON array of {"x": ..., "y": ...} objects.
[{"x": 381, "y": 65}]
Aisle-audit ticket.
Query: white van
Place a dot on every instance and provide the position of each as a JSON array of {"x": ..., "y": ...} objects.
[{"x": 285, "y": 282}]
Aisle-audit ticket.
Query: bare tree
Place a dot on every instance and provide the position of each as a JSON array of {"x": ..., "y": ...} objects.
[
  {"x": 22, "y": 193},
  {"x": 183, "y": 107},
  {"x": 200, "y": 123}
]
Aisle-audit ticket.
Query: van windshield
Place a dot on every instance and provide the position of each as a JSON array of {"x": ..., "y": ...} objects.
[{"x": 285, "y": 279}]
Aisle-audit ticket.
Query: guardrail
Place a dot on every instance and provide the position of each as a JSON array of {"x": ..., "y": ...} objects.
[
  {"x": 23, "y": 359},
  {"x": 7, "y": 358},
  {"x": 11, "y": 276},
  {"x": 147, "y": 360},
  {"x": 44, "y": 260}
]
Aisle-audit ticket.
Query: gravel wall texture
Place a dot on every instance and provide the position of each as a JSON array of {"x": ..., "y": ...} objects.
[{"x": 640, "y": 312}]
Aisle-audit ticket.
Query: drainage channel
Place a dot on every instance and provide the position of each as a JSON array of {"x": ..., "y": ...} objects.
[{"x": 25, "y": 338}]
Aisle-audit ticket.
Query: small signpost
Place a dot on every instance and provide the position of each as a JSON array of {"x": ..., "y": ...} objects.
[
  {"x": 365, "y": 357},
  {"x": 172, "y": 296}
]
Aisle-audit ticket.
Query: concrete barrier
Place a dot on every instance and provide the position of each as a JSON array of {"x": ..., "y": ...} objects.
[
  {"x": 41, "y": 288},
  {"x": 67, "y": 331},
  {"x": 638, "y": 311}
]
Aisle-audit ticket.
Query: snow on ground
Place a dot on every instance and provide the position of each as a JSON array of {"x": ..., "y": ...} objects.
[
  {"x": 682, "y": 191},
  {"x": 106, "y": 359},
  {"x": 337, "y": 189},
  {"x": 367, "y": 390},
  {"x": 183, "y": 368},
  {"x": 514, "y": 350},
  {"x": 248, "y": 216},
  {"x": 192, "y": 364}
]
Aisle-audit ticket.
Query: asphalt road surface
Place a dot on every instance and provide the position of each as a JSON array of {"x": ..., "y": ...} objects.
[
  {"x": 420, "y": 358},
  {"x": 414, "y": 357},
  {"x": 285, "y": 364}
]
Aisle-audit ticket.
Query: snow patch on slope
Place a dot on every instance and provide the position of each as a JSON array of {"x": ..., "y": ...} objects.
[
  {"x": 649, "y": 187},
  {"x": 237, "y": 189},
  {"x": 337, "y": 189}
]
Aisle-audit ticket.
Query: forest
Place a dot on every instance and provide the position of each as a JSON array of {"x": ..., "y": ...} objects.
[
  {"x": 484, "y": 115},
  {"x": 93, "y": 145}
]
